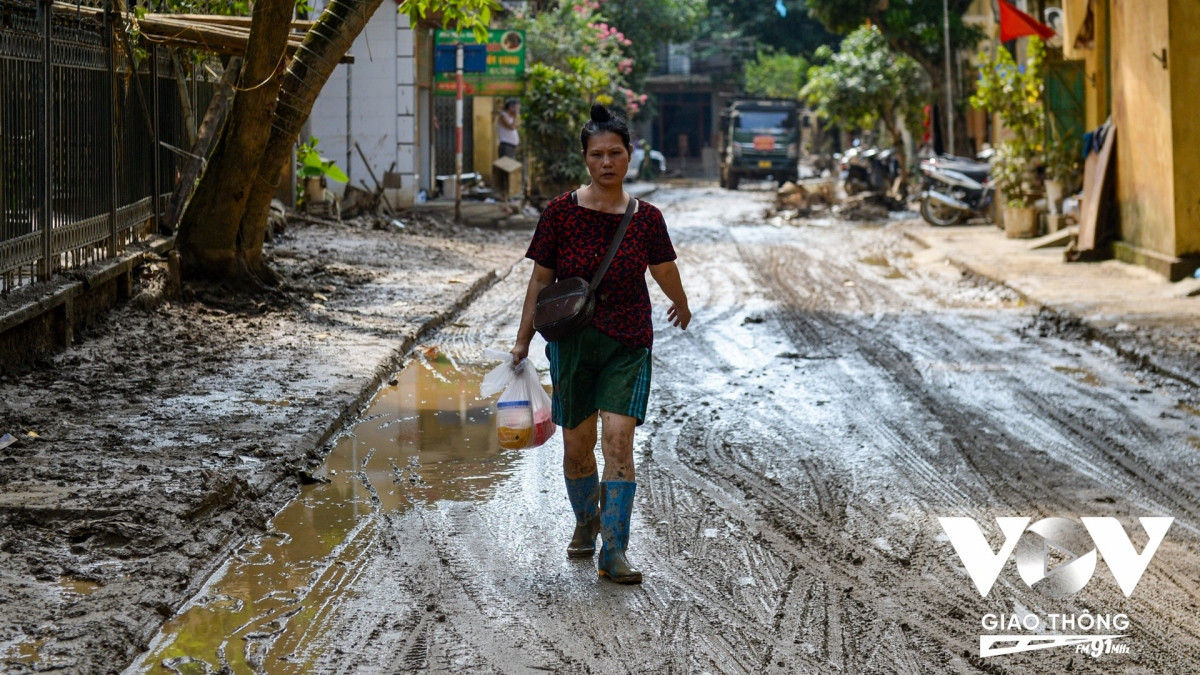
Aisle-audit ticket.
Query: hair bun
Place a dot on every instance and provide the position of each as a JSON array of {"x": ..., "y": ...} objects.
[{"x": 600, "y": 114}]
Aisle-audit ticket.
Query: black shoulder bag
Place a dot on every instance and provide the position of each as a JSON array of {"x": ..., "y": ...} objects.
[{"x": 567, "y": 306}]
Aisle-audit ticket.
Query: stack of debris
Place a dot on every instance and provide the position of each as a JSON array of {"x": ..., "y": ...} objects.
[{"x": 800, "y": 199}]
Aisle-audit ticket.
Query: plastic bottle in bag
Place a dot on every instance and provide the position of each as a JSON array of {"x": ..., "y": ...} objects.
[{"x": 514, "y": 423}]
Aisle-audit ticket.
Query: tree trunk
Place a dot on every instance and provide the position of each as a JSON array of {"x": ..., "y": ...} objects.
[
  {"x": 185, "y": 98},
  {"x": 210, "y": 131},
  {"x": 890, "y": 119},
  {"x": 221, "y": 236},
  {"x": 208, "y": 232},
  {"x": 324, "y": 45}
]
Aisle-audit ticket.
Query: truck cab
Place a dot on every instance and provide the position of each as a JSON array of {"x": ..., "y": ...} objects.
[{"x": 759, "y": 139}]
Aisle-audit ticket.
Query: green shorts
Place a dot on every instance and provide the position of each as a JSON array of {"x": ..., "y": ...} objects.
[{"x": 591, "y": 372}]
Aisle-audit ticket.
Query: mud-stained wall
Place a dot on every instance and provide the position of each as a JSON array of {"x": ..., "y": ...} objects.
[
  {"x": 71, "y": 310},
  {"x": 1184, "y": 64},
  {"x": 1141, "y": 103}
]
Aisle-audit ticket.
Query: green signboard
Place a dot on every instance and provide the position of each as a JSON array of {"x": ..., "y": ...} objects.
[{"x": 505, "y": 74}]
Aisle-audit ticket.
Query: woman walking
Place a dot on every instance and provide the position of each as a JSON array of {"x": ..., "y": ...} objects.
[{"x": 602, "y": 372}]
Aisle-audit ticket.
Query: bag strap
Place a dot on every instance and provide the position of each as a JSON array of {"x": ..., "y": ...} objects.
[{"x": 616, "y": 243}]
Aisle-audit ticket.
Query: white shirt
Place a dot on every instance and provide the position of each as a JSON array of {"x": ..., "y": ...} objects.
[{"x": 504, "y": 133}]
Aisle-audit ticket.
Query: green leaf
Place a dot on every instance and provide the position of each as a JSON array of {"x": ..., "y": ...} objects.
[{"x": 336, "y": 174}]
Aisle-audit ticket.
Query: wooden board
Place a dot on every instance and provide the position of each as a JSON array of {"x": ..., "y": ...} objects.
[{"x": 1097, "y": 174}]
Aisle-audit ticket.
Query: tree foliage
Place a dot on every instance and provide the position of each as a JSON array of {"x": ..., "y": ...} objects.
[
  {"x": 472, "y": 15},
  {"x": 578, "y": 58},
  {"x": 912, "y": 27},
  {"x": 648, "y": 24},
  {"x": 794, "y": 32},
  {"x": 776, "y": 74},
  {"x": 866, "y": 83}
]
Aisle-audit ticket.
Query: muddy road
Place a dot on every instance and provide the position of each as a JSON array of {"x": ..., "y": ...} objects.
[{"x": 838, "y": 392}]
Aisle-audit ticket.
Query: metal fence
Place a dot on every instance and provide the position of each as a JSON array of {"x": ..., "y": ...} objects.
[{"x": 90, "y": 143}]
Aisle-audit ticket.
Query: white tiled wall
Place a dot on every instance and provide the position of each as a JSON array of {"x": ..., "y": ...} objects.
[{"x": 373, "y": 102}]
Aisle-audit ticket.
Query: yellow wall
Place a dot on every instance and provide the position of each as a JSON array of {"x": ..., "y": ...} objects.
[
  {"x": 1095, "y": 58},
  {"x": 1074, "y": 12},
  {"x": 1183, "y": 61},
  {"x": 1142, "y": 114},
  {"x": 484, "y": 135}
]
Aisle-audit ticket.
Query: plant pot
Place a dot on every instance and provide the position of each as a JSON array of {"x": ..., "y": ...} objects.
[
  {"x": 1020, "y": 222},
  {"x": 314, "y": 191},
  {"x": 1054, "y": 196}
]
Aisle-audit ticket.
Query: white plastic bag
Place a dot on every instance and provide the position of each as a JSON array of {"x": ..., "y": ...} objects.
[
  {"x": 495, "y": 381},
  {"x": 523, "y": 411}
]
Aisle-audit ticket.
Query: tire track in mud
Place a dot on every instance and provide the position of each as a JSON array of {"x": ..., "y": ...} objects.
[
  {"x": 728, "y": 481},
  {"x": 987, "y": 460},
  {"x": 804, "y": 433}
]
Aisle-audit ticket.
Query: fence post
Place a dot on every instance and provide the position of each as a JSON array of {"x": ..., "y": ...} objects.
[
  {"x": 46, "y": 174},
  {"x": 110, "y": 26},
  {"x": 155, "y": 185}
]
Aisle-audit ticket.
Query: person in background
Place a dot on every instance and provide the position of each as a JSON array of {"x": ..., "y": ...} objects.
[
  {"x": 602, "y": 372},
  {"x": 506, "y": 127}
]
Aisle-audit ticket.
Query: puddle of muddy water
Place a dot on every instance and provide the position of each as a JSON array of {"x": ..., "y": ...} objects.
[
  {"x": 28, "y": 653},
  {"x": 78, "y": 586},
  {"x": 889, "y": 271},
  {"x": 426, "y": 438},
  {"x": 1083, "y": 375}
]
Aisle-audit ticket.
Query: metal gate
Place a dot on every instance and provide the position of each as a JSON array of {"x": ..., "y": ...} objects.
[{"x": 443, "y": 135}]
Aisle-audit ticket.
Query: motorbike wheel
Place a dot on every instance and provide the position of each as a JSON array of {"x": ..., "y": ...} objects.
[{"x": 940, "y": 215}]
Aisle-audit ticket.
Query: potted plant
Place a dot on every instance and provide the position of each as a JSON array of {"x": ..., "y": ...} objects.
[
  {"x": 1015, "y": 94},
  {"x": 1061, "y": 161},
  {"x": 313, "y": 170}
]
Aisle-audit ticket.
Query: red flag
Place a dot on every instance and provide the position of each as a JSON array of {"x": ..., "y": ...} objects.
[{"x": 1014, "y": 24}]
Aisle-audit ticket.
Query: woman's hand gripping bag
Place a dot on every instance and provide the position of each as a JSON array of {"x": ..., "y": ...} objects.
[{"x": 523, "y": 411}]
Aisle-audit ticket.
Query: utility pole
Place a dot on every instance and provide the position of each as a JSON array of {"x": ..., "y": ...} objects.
[
  {"x": 949, "y": 79},
  {"x": 458, "y": 132}
]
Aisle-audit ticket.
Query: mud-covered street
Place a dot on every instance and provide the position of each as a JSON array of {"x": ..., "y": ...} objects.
[{"x": 839, "y": 390}]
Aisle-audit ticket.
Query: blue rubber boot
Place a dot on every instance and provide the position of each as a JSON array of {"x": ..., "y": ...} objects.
[
  {"x": 584, "y": 494},
  {"x": 616, "y": 506}
]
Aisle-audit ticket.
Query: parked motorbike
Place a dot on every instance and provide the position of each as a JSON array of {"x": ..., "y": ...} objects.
[
  {"x": 868, "y": 170},
  {"x": 954, "y": 189}
]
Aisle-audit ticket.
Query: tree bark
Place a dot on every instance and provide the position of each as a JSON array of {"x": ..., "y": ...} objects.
[
  {"x": 208, "y": 232},
  {"x": 185, "y": 98},
  {"x": 891, "y": 121},
  {"x": 210, "y": 130},
  {"x": 329, "y": 39}
]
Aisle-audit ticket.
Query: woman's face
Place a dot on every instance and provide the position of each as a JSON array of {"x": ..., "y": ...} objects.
[{"x": 607, "y": 159}]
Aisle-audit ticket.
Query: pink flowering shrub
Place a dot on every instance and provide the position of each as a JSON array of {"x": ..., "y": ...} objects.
[{"x": 575, "y": 58}]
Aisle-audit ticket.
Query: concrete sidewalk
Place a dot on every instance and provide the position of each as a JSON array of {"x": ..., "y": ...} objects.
[{"x": 1135, "y": 311}]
